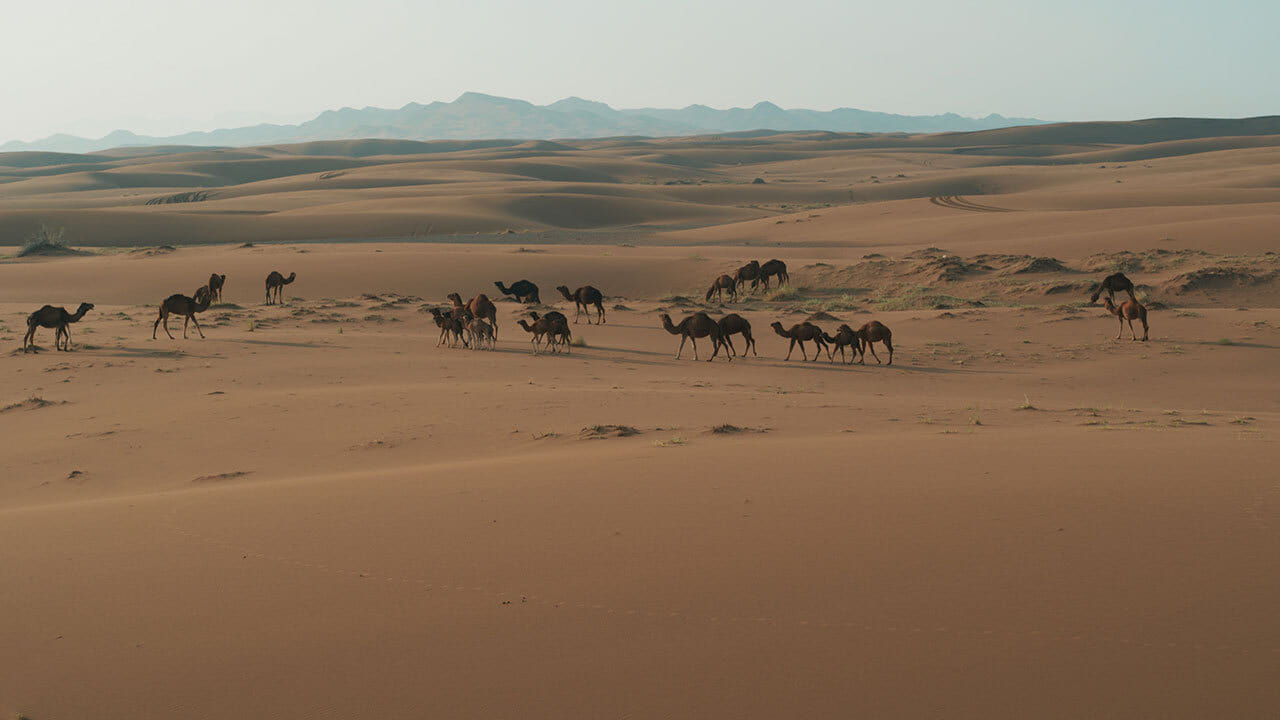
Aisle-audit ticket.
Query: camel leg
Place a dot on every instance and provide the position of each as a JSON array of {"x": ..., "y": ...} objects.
[
  {"x": 790, "y": 347},
  {"x": 1120, "y": 332},
  {"x": 66, "y": 338},
  {"x": 197, "y": 322},
  {"x": 1144, "y": 328},
  {"x": 889, "y": 344},
  {"x": 803, "y": 355},
  {"x": 29, "y": 338},
  {"x": 600, "y": 311},
  {"x": 731, "y": 349},
  {"x": 694, "y": 340},
  {"x": 681, "y": 348},
  {"x": 872, "y": 346}
]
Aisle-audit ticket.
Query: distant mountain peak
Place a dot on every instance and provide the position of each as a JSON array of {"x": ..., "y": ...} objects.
[{"x": 476, "y": 115}]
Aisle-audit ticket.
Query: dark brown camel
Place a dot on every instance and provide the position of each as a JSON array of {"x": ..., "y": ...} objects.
[
  {"x": 522, "y": 290},
  {"x": 800, "y": 334},
  {"x": 774, "y": 268},
  {"x": 1113, "y": 284},
  {"x": 1128, "y": 310},
  {"x": 449, "y": 325},
  {"x": 693, "y": 327},
  {"x": 216, "y": 282},
  {"x": 750, "y": 271},
  {"x": 276, "y": 283},
  {"x": 734, "y": 324},
  {"x": 874, "y": 332},
  {"x": 57, "y": 319},
  {"x": 479, "y": 307},
  {"x": 582, "y": 298},
  {"x": 720, "y": 286},
  {"x": 844, "y": 337},
  {"x": 180, "y": 304}
]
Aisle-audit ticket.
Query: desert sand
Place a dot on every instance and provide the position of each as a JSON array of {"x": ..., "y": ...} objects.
[{"x": 317, "y": 512}]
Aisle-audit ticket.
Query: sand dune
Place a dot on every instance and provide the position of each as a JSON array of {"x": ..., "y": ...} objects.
[{"x": 316, "y": 511}]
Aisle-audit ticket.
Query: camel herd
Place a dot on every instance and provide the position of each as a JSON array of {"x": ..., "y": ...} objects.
[{"x": 474, "y": 324}]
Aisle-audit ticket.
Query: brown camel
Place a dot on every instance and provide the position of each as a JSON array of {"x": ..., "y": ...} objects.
[
  {"x": 750, "y": 271},
  {"x": 482, "y": 334},
  {"x": 1128, "y": 310},
  {"x": 874, "y": 332},
  {"x": 845, "y": 337},
  {"x": 583, "y": 297},
  {"x": 1113, "y": 284},
  {"x": 800, "y": 334},
  {"x": 722, "y": 284},
  {"x": 734, "y": 324},
  {"x": 479, "y": 307},
  {"x": 522, "y": 290},
  {"x": 693, "y": 327},
  {"x": 555, "y": 330},
  {"x": 450, "y": 327},
  {"x": 276, "y": 283},
  {"x": 774, "y": 268},
  {"x": 56, "y": 318},
  {"x": 558, "y": 332},
  {"x": 180, "y": 304},
  {"x": 216, "y": 282}
]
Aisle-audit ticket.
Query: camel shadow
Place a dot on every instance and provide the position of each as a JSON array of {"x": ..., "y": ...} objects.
[{"x": 285, "y": 343}]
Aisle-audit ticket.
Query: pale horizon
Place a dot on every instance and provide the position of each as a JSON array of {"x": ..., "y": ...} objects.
[{"x": 156, "y": 69}]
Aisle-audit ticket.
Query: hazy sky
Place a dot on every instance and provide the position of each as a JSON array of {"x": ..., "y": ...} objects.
[{"x": 168, "y": 66}]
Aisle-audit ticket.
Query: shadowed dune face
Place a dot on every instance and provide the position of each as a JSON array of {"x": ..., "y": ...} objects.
[{"x": 1073, "y": 183}]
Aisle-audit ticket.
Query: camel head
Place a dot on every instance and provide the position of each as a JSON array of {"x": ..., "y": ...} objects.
[
  {"x": 777, "y": 327},
  {"x": 84, "y": 308},
  {"x": 525, "y": 324},
  {"x": 292, "y": 276},
  {"x": 454, "y": 298},
  {"x": 564, "y": 290},
  {"x": 1110, "y": 306}
]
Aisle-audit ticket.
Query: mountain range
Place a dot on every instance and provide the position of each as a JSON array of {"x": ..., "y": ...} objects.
[{"x": 479, "y": 116}]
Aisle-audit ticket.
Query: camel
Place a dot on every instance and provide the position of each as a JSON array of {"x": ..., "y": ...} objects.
[
  {"x": 874, "y": 332},
  {"x": 845, "y": 337},
  {"x": 479, "y": 307},
  {"x": 216, "y": 282},
  {"x": 718, "y": 288},
  {"x": 557, "y": 327},
  {"x": 481, "y": 333},
  {"x": 772, "y": 268},
  {"x": 733, "y": 324},
  {"x": 750, "y": 271},
  {"x": 449, "y": 325},
  {"x": 1112, "y": 284},
  {"x": 180, "y": 304},
  {"x": 554, "y": 329},
  {"x": 276, "y": 282},
  {"x": 522, "y": 290},
  {"x": 799, "y": 334},
  {"x": 1128, "y": 310},
  {"x": 693, "y": 327},
  {"x": 582, "y": 297},
  {"x": 56, "y": 318}
]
